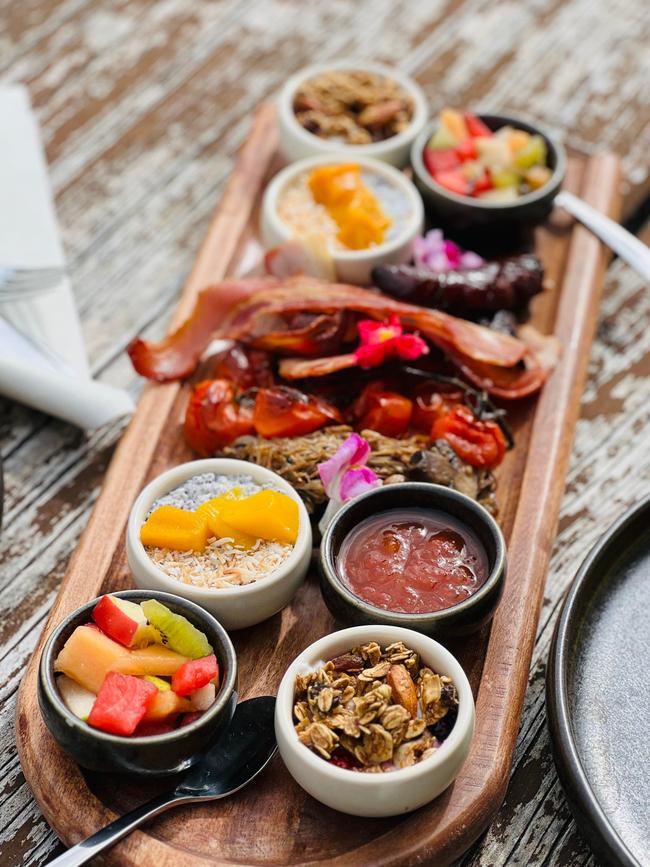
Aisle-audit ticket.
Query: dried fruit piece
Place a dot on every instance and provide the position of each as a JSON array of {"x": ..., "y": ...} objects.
[{"x": 403, "y": 689}]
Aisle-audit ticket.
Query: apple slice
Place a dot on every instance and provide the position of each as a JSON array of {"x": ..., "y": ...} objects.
[
  {"x": 76, "y": 698},
  {"x": 125, "y": 622}
]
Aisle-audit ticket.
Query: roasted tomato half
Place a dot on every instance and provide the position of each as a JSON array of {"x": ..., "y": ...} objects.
[
  {"x": 286, "y": 412},
  {"x": 480, "y": 443},
  {"x": 246, "y": 367},
  {"x": 215, "y": 417},
  {"x": 430, "y": 402},
  {"x": 386, "y": 412}
]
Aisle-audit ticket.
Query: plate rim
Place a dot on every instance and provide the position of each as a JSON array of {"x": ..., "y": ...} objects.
[{"x": 590, "y": 817}]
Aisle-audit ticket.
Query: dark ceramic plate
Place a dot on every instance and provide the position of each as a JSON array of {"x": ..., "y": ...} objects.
[{"x": 598, "y": 693}]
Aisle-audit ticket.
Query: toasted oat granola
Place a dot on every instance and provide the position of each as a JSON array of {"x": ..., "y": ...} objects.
[
  {"x": 353, "y": 107},
  {"x": 374, "y": 709}
]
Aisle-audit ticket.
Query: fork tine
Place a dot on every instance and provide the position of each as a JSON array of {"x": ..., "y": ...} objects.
[
  {"x": 19, "y": 276},
  {"x": 11, "y": 291}
]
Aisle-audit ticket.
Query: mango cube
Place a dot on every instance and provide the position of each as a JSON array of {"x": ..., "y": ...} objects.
[
  {"x": 169, "y": 527},
  {"x": 212, "y": 511},
  {"x": 266, "y": 515}
]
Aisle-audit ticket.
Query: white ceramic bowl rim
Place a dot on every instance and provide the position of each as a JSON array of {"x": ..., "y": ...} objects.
[
  {"x": 351, "y": 637},
  {"x": 559, "y": 171},
  {"x": 220, "y": 466},
  {"x": 412, "y": 223},
  {"x": 420, "y": 110}
]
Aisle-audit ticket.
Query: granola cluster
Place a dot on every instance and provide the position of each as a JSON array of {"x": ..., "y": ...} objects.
[
  {"x": 354, "y": 107},
  {"x": 374, "y": 709}
]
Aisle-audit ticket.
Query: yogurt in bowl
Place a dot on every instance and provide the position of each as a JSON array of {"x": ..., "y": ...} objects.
[
  {"x": 362, "y": 211},
  {"x": 195, "y": 531}
]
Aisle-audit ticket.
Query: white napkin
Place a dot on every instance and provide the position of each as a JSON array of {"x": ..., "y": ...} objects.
[{"x": 42, "y": 357}]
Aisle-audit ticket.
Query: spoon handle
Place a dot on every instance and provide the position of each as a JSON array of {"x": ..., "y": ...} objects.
[
  {"x": 630, "y": 249},
  {"x": 108, "y": 836}
]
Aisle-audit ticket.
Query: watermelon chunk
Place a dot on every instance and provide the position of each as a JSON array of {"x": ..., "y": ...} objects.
[
  {"x": 121, "y": 703},
  {"x": 195, "y": 674},
  {"x": 440, "y": 161}
]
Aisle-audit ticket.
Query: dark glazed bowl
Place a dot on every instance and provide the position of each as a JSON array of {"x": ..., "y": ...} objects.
[
  {"x": 155, "y": 755},
  {"x": 460, "y": 619},
  {"x": 464, "y": 212}
]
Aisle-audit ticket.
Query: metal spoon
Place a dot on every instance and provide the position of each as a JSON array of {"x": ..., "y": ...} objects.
[
  {"x": 630, "y": 249},
  {"x": 238, "y": 757}
]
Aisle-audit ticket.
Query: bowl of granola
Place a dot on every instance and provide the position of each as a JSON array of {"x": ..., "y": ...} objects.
[
  {"x": 374, "y": 720},
  {"x": 353, "y": 108},
  {"x": 226, "y": 534}
]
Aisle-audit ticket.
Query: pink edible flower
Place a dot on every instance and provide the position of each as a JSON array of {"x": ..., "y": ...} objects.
[
  {"x": 345, "y": 477},
  {"x": 383, "y": 340},
  {"x": 436, "y": 254}
]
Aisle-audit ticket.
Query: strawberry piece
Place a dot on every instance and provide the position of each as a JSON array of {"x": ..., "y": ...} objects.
[
  {"x": 343, "y": 759},
  {"x": 483, "y": 183},
  {"x": 453, "y": 181},
  {"x": 194, "y": 674},
  {"x": 466, "y": 150},
  {"x": 475, "y": 126},
  {"x": 440, "y": 161},
  {"x": 146, "y": 728},
  {"x": 121, "y": 703}
]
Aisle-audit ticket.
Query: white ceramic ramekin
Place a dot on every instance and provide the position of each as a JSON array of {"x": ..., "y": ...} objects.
[
  {"x": 297, "y": 143},
  {"x": 236, "y": 607},
  {"x": 394, "y": 792},
  {"x": 352, "y": 266}
]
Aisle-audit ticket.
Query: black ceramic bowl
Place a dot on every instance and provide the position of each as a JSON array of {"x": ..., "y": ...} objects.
[
  {"x": 155, "y": 755},
  {"x": 460, "y": 619},
  {"x": 466, "y": 213}
]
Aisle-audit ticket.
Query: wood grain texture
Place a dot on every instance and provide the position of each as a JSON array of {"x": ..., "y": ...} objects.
[
  {"x": 532, "y": 481},
  {"x": 142, "y": 106}
]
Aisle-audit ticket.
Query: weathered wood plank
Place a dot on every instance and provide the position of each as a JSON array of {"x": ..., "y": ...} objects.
[{"x": 137, "y": 160}]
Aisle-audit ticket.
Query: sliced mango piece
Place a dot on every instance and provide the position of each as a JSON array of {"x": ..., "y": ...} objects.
[
  {"x": 212, "y": 510},
  {"x": 352, "y": 205},
  {"x": 164, "y": 704},
  {"x": 88, "y": 655},
  {"x": 169, "y": 527},
  {"x": 155, "y": 659},
  {"x": 266, "y": 515}
]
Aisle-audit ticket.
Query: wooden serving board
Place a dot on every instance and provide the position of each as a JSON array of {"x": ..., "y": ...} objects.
[{"x": 274, "y": 821}]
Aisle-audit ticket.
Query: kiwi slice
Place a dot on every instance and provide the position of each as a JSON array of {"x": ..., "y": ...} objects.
[{"x": 177, "y": 631}]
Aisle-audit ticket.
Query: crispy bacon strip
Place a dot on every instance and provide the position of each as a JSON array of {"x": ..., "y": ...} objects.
[
  {"x": 242, "y": 310},
  {"x": 176, "y": 355},
  {"x": 315, "y": 296}
]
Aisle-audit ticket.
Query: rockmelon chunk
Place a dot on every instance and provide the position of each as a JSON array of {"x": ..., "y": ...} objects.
[
  {"x": 88, "y": 655},
  {"x": 166, "y": 704},
  {"x": 155, "y": 659}
]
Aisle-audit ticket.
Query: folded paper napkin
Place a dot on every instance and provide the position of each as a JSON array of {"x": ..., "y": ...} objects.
[{"x": 42, "y": 356}]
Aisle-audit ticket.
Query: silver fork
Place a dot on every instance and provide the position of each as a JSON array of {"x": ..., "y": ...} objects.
[{"x": 17, "y": 284}]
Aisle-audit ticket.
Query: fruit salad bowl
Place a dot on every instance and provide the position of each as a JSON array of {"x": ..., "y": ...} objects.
[
  {"x": 152, "y": 755},
  {"x": 465, "y": 212}
]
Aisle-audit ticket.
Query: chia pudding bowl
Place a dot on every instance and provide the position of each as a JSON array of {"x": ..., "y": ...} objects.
[
  {"x": 302, "y": 204},
  {"x": 179, "y": 540}
]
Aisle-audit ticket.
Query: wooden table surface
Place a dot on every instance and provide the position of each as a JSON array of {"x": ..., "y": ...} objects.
[{"x": 143, "y": 105}]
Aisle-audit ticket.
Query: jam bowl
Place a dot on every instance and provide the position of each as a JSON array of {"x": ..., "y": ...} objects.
[{"x": 434, "y": 522}]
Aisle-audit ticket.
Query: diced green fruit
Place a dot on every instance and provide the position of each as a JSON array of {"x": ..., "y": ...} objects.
[
  {"x": 177, "y": 631},
  {"x": 163, "y": 685},
  {"x": 203, "y": 698},
  {"x": 534, "y": 153},
  {"x": 442, "y": 139},
  {"x": 502, "y": 178},
  {"x": 78, "y": 700},
  {"x": 503, "y": 196},
  {"x": 538, "y": 176}
]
